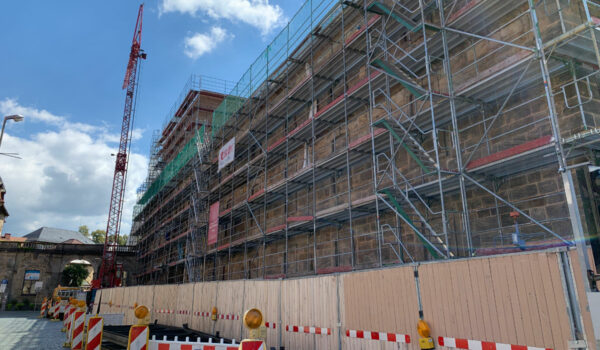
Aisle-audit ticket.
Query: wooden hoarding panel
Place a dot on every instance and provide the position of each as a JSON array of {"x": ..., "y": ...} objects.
[
  {"x": 379, "y": 301},
  {"x": 513, "y": 299}
]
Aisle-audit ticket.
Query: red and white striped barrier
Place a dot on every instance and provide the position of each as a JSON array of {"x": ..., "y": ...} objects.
[
  {"x": 165, "y": 311},
  {"x": 62, "y": 307},
  {"x": 308, "y": 330},
  {"x": 43, "y": 309},
  {"x": 469, "y": 344},
  {"x": 66, "y": 315},
  {"x": 229, "y": 317},
  {"x": 253, "y": 345},
  {"x": 391, "y": 337},
  {"x": 183, "y": 312},
  {"x": 77, "y": 330},
  {"x": 94, "y": 333},
  {"x": 138, "y": 338},
  {"x": 271, "y": 325},
  {"x": 67, "y": 319},
  {"x": 54, "y": 312},
  {"x": 201, "y": 313},
  {"x": 177, "y": 344}
]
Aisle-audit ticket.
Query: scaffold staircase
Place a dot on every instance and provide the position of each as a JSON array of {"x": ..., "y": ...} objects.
[
  {"x": 409, "y": 19},
  {"x": 396, "y": 190},
  {"x": 410, "y": 144},
  {"x": 198, "y": 209},
  {"x": 396, "y": 245},
  {"x": 393, "y": 187},
  {"x": 403, "y": 205},
  {"x": 388, "y": 67}
]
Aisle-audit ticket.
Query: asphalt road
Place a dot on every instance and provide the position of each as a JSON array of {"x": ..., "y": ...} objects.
[{"x": 22, "y": 330}]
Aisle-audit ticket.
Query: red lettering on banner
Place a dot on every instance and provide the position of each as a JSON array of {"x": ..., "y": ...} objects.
[{"x": 227, "y": 153}]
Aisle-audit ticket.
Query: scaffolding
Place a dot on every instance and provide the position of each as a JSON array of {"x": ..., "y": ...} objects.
[
  {"x": 374, "y": 133},
  {"x": 167, "y": 219}
]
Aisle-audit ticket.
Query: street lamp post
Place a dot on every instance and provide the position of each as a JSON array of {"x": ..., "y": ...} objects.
[{"x": 15, "y": 117}]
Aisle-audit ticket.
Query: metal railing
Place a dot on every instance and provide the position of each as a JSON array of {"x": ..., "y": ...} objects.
[{"x": 62, "y": 247}]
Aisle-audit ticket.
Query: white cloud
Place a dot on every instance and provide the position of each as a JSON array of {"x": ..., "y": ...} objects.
[
  {"x": 11, "y": 106},
  {"x": 65, "y": 177},
  {"x": 201, "y": 43},
  {"x": 257, "y": 13}
]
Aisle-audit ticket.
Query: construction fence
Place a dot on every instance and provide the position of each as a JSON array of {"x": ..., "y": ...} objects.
[{"x": 534, "y": 299}]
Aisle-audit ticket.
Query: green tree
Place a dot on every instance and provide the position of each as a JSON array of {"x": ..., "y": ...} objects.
[
  {"x": 84, "y": 230},
  {"x": 121, "y": 241},
  {"x": 98, "y": 236},
  {"x": 73, "y": 275}
]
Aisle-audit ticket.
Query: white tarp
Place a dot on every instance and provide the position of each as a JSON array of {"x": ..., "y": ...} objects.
[{"x": 227, "y": 153}]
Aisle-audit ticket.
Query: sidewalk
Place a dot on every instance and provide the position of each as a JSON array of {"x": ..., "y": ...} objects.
[{"x": 22, "y": 330}]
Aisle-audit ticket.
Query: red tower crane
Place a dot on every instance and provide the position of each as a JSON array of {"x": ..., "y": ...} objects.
[{"x": 110, "y": 274}]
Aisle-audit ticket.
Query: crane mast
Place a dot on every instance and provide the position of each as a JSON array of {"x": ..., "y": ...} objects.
[{"x": 109, "y": 274}]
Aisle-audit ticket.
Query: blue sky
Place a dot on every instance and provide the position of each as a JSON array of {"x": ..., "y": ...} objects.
[{"x": 62, "y": 66}]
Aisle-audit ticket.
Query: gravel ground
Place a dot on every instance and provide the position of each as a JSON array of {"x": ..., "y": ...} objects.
[{"x": 22, "y": 330}]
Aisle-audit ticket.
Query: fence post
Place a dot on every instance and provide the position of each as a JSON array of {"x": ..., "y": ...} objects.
[{"x": 570, "y": 294}]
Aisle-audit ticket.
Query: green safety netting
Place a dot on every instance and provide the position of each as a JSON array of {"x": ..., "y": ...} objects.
[
  {"x": 229, "y": 106},
  {"x": 174, "y": 166},
  {"x": 291, "y": 42}
]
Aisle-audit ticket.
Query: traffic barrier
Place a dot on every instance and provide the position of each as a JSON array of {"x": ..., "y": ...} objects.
[
  {"x": 69, "y": 319},
  {"x": 271, "y": 325},
  {"x": 308, "y": 330},
  {"x": 54, "y": 312},
  {"x": 43, "y": 309},
  {"x": 94, "y": 333},
  {"x": 229, "y": 317},
  {"x": 391, "y": 337},
  {"x": 253, "y": 345},
  {"x": 138, "y": 337},
  {"x": 66, "y": 319},
  {"x": 176, "y": 344},
  {"x": 469, "y": 344},
  {"x": 201, "y": 313},
  {"x": 165, "y": 311},
  {"x": 77, "y": 324}
]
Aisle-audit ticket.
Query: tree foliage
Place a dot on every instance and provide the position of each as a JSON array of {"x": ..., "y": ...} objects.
[
  {"x": 74, "y": 275},
  {"x": 84, "y": 230},
  {"x": 121, "y": 241},
  {"x": 98, "y": 236}
]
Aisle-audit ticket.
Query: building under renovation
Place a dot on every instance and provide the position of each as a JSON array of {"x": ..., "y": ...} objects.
[{"x": 375, "y": 133}]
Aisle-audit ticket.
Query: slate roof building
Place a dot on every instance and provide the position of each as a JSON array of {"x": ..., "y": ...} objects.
[{"x": 57, "y": 235}]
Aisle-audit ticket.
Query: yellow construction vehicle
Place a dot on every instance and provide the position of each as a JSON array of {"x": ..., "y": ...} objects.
[{"x": 67, "y": 293}]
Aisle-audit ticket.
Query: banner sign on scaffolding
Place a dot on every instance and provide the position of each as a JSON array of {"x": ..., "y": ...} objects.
[
  {"x": 213, "y": 223},
  {"x": 227, "y": 153}
]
